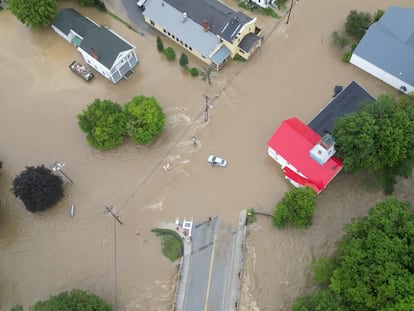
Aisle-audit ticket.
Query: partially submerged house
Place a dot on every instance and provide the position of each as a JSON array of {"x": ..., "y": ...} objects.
[
  {"x": 306, "y": 152},
  {"x": 386, "y": 51},
  {"x": 103, "y": 49},
  {"x": 208, "y": 29}
]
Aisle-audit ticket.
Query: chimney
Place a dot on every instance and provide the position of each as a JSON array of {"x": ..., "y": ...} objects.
[
  {"x": 94, "y": 54},
  {"x": 205, "y": 25}
]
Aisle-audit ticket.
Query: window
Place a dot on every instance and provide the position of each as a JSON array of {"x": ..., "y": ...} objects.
[
  {"x": 164, "y": 30},
  {"x": 169, "y": 33},
  {"x": 191, "y": 48},
  {"x": 186, "y": 45},
  {"x": 152, "y": 23},
  {"x": 173, "y": 36}
]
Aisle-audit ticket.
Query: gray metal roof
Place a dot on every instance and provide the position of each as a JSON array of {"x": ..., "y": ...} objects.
[
  {"x": 389, "y": 43},
  {"x": 249, "y": 41},
  {"x": 222, "y": 20},
  {"x": 347, "y": 101},
  {"x": 221, "y": 55},
  {"x": 187, "y": 30},
  {"x": 102, "y": 40}
]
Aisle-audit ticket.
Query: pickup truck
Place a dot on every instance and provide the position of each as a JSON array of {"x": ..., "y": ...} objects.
[{"x": 81, "y": 71}]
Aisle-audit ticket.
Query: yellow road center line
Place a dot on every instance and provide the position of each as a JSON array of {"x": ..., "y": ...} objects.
[{"x": 210, "y": 273}]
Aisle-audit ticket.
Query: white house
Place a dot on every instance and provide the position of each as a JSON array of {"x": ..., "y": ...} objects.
[
  {"x": 103, "y": 49},
  {"x": 386, "y": 51}
]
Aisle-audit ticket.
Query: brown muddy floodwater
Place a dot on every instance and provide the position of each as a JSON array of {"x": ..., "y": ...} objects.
[{"x": 292, "y": 75}]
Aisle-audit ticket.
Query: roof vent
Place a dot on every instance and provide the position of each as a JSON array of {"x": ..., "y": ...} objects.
[{"x": 184, "y": 16}]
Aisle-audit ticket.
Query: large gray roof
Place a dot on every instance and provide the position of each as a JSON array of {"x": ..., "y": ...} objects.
[
  {"x": 389, "y": 43},
  {"x": 184, "y": 28},
  {"x": 101, "y": 39},
  {"x": 222, "y": 20}
]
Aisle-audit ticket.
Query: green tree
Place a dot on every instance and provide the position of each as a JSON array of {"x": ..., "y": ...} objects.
[
  {"x": 87, "y": 2},
  {"x": 373, "y": 266},
  {"x": 379, "y": 137},
  {"x": 16, "y": 308},
  {"x": 160, "y": 44},
  {"x": 339, "y": 39},
  {"x": 296, "y": 208},
  {"x": 169, "y": 53},
  {"x": 38, "y": 188},
  {"x": 75, "y": 300},
  {"x": 183, "y": 60},
  {"x": 375, "y": 259},
  {"x": 324, "y": 300},
  {"x": 145, "y": 119},
  {"x": 357, "y": 23},
  {"x": 33, "y": 13},
  {"x": 206, "y": 73},
  {"x": 104, "y": 124},
  {"x": 323, "y": 269}
]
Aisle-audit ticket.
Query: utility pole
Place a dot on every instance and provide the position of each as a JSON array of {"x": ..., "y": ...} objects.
[
  {"x": 109, "y": 210},
  {"x": 57, "y": 167},
  {"x": 208, "y": 106},
  {"x": 290, "y": 11}
]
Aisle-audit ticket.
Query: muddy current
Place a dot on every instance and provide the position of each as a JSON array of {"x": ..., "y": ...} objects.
[{"x": 293, "y": 74}]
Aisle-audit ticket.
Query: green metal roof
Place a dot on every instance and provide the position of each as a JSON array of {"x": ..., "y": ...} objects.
[{"x": 101, "y": 39}]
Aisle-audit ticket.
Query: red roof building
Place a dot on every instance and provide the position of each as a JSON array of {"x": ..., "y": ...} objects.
[{"x": 306, "y": 158}]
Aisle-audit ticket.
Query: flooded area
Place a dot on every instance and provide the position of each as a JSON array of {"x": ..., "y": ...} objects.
[{"x": 293, "y": 74}]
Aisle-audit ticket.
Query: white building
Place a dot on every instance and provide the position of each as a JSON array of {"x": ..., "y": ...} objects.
[
  {"x": 104, "y": 50},
  {"x": 386, "y": 51}
]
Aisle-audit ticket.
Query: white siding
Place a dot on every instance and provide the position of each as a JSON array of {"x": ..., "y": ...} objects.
[{"x": 380, "y": 74}]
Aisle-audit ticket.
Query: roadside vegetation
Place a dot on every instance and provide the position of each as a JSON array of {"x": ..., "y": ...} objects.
[
  {"x": 372, "y": 268},
  {"x": 206, "y": 73},
  {"x": 356, "y": 24},
  {"x": 107, "y": 123},
  {"x": 171, "y": 243},
  {"x": 75, "y": 300},
  {"x": 296, "y": 208}
]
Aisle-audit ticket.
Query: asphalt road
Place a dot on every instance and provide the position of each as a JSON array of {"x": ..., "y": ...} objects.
[
  {"x": 209, "y": 277},
  {"x": 132, "y": 14}
]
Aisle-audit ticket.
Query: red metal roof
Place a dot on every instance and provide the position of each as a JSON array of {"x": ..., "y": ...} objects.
[{"x": 293, "y": 141}]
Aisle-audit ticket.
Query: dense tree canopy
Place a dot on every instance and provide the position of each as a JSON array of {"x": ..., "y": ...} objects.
[
  {"x": 38, "y": 188},
  {"x": 104, "y": 123},
  {"x": 75, "y": 300},
  {"x": 33, "y": 13},
  {"x": 357, "y": 23},
  {"x": 379, "y": 137},
  {"x": 296, "y": 208},
  {"x": 374, "y": 264},
  {"x": 145, "y": 119}
]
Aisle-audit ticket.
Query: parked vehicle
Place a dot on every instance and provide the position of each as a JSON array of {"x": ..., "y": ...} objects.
[
  {"x": 81, "y": 71},
  {"x": 215, "y": 160}
]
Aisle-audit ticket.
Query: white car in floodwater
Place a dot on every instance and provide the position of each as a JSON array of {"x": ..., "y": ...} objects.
[{"x": 215, "y": 160}]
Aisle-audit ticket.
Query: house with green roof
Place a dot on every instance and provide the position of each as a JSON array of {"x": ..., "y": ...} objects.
[
  {"x": 386, "y": 51},
  {"x": 102, "y": 49}
]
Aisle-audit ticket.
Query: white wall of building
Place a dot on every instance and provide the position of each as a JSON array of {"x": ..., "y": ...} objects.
[{"x": 381, "y": 74}]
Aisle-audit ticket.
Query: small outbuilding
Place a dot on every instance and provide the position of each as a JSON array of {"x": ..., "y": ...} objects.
[
  {"x": 103, "y": 49},
  {"x": 386, "y": 51}
]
